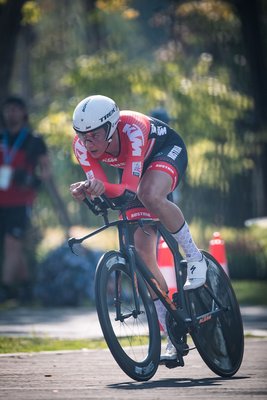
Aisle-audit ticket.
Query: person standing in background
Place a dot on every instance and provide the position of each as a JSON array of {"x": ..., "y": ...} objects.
[
  {"x": 24, "y": 164},
  {"x": 161, "y": 114}
]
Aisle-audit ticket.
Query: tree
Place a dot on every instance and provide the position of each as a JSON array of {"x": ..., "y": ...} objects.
[
  {"x": 10, "y": 23},
  {"x": 239, "y": 44},
  {"x": 251, "y": 14}
]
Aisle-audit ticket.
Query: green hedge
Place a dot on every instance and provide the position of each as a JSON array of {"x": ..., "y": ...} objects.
[
  {"x": 247, "y": 259},
  {"x": 246, "y": 248}
]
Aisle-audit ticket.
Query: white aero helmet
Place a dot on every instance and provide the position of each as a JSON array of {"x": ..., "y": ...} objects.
[{"x": 95, "y": 112}]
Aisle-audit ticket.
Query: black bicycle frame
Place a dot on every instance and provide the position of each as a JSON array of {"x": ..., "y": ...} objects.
[{"x": 126, "y": 245}]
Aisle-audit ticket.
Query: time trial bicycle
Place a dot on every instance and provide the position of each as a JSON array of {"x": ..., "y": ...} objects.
[{"x": 126, "y": 311}]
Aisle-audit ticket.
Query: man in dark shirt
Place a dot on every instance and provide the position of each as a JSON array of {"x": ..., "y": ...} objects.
[{"x": 24, "y": 163}]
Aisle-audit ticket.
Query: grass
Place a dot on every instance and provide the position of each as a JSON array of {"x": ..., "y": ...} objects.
[{"x": 37, "y": 344}]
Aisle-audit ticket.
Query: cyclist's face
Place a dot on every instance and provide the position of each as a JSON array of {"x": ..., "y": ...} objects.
[{"x": 94, "y": 141}]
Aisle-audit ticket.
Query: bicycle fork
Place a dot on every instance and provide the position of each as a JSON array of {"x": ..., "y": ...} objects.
[{"x": 133, "y": 275}]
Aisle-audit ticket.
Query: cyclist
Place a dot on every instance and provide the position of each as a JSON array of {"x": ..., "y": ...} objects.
[{"x": 152, "y": 159}]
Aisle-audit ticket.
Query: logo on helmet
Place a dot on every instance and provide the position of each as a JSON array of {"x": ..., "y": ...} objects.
[
  {"x": 103, "y": 119},
  {"x": 85, "y": 105}
]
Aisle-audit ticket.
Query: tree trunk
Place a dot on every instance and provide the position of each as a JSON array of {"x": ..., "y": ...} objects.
[
  {"x": 95, "y": 39},
  {"x": 10, "y": 21},
  {"x": 251, "y": 17}
]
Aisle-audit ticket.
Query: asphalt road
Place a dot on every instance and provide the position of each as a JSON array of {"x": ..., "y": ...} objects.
[{"x": 94, "y": 374}]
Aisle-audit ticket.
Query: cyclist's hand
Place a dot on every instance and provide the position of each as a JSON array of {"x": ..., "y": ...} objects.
[
  {"x": 78, "y": 190},
  {"x": 94, "y": 187}
]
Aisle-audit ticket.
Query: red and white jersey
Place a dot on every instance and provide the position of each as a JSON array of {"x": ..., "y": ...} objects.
[
  {"x": 142, "y": 139},
  {"x": 136, "y": 145}
]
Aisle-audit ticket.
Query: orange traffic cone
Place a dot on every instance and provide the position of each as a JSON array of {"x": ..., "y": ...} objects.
[
  {"x": 166, "y": 265},
  {"x": 217, "y": 250}
]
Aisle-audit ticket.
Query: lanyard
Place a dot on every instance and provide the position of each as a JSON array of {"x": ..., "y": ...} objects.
[{"x": 10, "y": 155}]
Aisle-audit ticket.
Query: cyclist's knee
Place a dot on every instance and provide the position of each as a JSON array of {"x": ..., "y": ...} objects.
[{"x": 149, "y": 197}]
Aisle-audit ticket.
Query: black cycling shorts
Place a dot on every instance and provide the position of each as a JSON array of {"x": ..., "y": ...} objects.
[
  {"x": 14, "y": 220},
  {"x": 171, "y": 159}
]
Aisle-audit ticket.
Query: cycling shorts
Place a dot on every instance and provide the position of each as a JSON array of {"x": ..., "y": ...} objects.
[
  {"x": 171, "y": 159},
  {"x": 14, "y": 221}
]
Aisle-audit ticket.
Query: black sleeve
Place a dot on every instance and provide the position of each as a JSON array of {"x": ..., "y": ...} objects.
[{"x": 36, "y": 147}]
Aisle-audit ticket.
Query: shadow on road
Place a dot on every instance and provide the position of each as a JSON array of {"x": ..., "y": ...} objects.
[{"x": 174, "y": 382}]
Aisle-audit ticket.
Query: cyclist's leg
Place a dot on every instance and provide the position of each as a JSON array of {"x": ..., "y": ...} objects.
[
  {"x": 15, "y": 269},
  {"x": 146, "y": 246},
  {"x": 14, "y": 265},
  {"x": 153, "y": 190}
]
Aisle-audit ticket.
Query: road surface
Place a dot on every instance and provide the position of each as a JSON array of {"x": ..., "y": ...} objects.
[{"x": 93, "y": 374}]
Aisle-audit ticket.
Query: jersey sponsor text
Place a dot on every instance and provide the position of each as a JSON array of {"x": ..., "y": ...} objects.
[
  {"x": 81, "y": 153},
  {"x": 174, "y": 153},
  {"x": 136, "y": 137}
]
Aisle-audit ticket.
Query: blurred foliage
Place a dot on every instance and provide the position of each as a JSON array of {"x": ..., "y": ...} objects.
[
  {"x": 31, "y": 13},
  {"x": 246, "y": 248},
  {"x": 117, "y": 6},
  {"x": 203, "y": 108},
  {"x": 188, "y": 57}
]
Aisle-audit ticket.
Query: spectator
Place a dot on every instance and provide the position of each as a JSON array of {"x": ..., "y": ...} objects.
[
  {"x": 24, "y": 163},
  {"x": 161, "y": 114}
]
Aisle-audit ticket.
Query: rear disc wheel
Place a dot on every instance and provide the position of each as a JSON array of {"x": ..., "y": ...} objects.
[{"x": 219, "y": 339}]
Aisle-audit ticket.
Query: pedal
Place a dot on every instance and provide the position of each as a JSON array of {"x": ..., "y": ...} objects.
[{"x": 172, "y": 363}]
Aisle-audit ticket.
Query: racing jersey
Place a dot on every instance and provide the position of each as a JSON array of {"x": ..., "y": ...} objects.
[
  {"x": 23, "y": 164},
  {"x": 140, "y": 138}
]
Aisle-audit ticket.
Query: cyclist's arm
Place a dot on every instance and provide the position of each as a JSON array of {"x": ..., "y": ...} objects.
[
  {"x": 94, "y": 172},
  {"x": 131, "y": 174},
  {"x": 90, "y": 166}
]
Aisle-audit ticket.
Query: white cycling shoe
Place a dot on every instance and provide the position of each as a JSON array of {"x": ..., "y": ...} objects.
[
  {"x": 196, "y": 274},
  {"x": 170, "y": 353}
]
